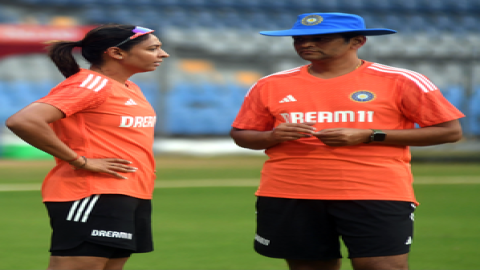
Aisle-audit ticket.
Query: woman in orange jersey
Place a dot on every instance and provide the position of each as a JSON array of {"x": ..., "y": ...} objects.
[
  {"x": 337, "y": 133},
  {"x": 100, "y": 129}
]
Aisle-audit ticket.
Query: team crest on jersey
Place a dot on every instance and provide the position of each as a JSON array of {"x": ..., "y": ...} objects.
[
  {"x": 362, "y": 96},
  {"x": 312, "y": 20}
]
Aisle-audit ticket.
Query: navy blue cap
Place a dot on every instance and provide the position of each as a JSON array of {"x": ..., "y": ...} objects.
[{"x": 329, "y": 23}]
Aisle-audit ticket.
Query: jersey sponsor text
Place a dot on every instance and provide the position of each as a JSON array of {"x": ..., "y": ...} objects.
[
  {"x": 329, "y": 117},
  {"x": 112, "y": 234},
  {"x": 138, "y": 121}
]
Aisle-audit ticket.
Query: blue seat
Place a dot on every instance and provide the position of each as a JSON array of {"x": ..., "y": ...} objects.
[
  {"x": 14, "y": 97},
  {"x": 147, "y": 13},
  {"x": 32, "y": 2},
  {"x": 473, "y": 113},
  {"x": 445, "y": 23},
  {"x": 327, "y": 6},
  {"x": 470, "y": 23},
  {"x": 205, "y": 18},
  {"x": 464, "y": 7},
  {"x": 55, "y": 2},
  {"x": 304, "y": 6},
  {"x": 151, "y": 91},
  {"x": 371, "y": 20},
  {"x": 203, "y": 120},
  {"x": 5, "y": 100},
  {"x": 379, "y": 6},
  {"x": 351, "y": 6},
  {"x": 178, "y": 17},
  {"x": 93, "y": 14},
  {"x": 223, "y": 3},
  {"x": 83, "y": 3},
  {"x": 408, "y": 6},
  {"x": 232, "y": 18},
  {"x": 455, "y": 94},
  {"x": 114, "y": 2},
  {"x": 284, "y": 20},
  {"x": 394, "y": 21},
  {"x": 162, "y": 4},
  {"x": 8, "y": 17},
  {"x": 180, "y": 105},
  {"x": 22, "y": 92},
  {"x": 42, "y": 88},
  {"x": 273, "y": 4},
  {"x": 193, "y": 3},
  {"x": 428, "y": 6},
  {"x": 177, "y": 121},
  {"x": 260, "y": 20},
  {"x": 248, "y": 4},
  {"x": 199, "y": 109},
  {"x": 418, "y": 22},
  {"x": 121, "y": 14}
]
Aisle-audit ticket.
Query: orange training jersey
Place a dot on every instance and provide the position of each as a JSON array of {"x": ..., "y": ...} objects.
[
  {"x": 372, "y": 97},
  {"x": 104, "y": 119}
]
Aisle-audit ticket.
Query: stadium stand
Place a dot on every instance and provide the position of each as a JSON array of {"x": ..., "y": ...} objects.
[
  {"x": 438, "y": 38},
  {"x": 474, "y": 113}
]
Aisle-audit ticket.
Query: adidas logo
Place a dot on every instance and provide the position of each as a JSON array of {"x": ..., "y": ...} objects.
[
  {"x": 130, "y": 102},
  {"x": 288, "y": 98},
  {"x": 409, "y": 241}
]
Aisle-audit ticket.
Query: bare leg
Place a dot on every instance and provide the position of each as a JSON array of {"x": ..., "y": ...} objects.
[
  {"x": 77, "y": 263},
  {"x": 116, "y": 264},
  {"x": 396, "y": 262},
  {"x": 314, "y": 265},
  {"x": 85, "y": 263}
]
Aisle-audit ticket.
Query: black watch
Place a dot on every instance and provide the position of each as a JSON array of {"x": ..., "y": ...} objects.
[{"x": 377, "y": 136}]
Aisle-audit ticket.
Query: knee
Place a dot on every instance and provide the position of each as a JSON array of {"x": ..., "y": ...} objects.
[{"x": 397, "y": 262}]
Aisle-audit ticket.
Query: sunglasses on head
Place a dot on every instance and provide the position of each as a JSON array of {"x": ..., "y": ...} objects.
[{"x": 139, "y": 31}]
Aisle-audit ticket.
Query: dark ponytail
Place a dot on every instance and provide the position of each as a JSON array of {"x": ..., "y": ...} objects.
[
  {"x": 61, "y": 54},
  {"x": 93, "y": 45}
]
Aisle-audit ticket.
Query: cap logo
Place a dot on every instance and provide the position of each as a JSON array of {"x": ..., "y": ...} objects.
[
  {"x": 362, "y": 96},
  {"x": 312, "y": 20}
]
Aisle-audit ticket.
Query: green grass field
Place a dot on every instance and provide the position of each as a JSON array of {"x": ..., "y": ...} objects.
[{"x": 212, "y": 226}]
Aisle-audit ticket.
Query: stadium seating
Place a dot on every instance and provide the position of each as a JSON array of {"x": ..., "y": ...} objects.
[
  {"x": 457, "y": 96},
  {"x": 428, "y": 29},
  {"x": 473, "y": 113},
  {"x": 403, "y": 15},
  {"x": 15, "y": 95},
  {"x": 201, "y": 109}
]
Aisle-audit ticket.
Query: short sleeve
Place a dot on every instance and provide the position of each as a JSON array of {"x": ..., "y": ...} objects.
[
  {"x": 423, "y": 103},
  {"x": 71, "y": 98},
  {"x": 254, "y": 114}
]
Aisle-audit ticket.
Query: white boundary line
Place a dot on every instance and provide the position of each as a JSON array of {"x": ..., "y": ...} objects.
[{"x": 253, "y": 182}]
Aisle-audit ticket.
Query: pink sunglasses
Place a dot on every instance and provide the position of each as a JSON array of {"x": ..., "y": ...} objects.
[{"x": 139, "y": 31}]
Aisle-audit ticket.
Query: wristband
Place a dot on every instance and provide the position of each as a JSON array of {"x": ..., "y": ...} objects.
[
  {"x": 85, "y": 159},
  {"x": 72, "y": 160},
  {"x": 81, "y": 166}
]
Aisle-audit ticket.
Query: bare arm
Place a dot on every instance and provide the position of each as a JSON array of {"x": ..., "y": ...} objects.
[
  {"x": 446, "y": 132},
  {"x": 258, "y": 140},
  {"x": 31, "y": 125}
]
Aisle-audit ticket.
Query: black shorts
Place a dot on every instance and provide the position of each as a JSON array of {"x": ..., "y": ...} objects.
[
  {"x": 311, "y": 229},
  {"x": 118, "y": 224}
]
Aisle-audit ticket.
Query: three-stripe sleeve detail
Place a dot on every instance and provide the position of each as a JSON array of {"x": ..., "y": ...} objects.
[
  {"x": 96, "y": 84},
  {"x": 420, "y": 80}
]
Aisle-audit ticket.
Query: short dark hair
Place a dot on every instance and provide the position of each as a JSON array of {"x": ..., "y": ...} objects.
[
  {"x": 349, "y": 35},
  {"x": 93, "y": 45}
]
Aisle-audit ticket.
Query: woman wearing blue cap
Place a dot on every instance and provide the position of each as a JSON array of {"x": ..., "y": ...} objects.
[{"x": 337, "y": 133}]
